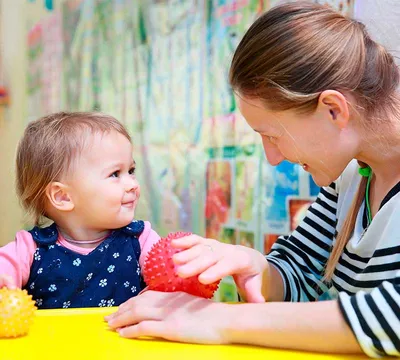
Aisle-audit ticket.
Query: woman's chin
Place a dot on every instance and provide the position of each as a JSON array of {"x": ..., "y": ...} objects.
[{"x": 321, "y": 180}]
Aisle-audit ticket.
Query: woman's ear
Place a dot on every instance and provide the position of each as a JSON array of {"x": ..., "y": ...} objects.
[
  {"x": 59, "y": 197},
  {"x": 334, "y": 104}
]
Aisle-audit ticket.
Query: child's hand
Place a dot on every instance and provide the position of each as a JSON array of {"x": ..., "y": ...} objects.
[
  {"x": 6, "y": 281},
  {"x": 213, "y": 260}
]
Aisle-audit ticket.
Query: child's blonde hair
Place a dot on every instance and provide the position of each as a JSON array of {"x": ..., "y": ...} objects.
[{"x": 47, "y": 150}]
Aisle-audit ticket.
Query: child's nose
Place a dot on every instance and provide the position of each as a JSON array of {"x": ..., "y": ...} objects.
[{"x": 131, "y": 184}]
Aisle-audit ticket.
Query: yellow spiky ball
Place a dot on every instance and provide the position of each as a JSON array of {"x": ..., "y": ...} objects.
[{"x": 17, "y": 310}]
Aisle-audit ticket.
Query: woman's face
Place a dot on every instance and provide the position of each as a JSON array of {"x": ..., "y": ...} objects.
[{"x": 323, "y": 142}]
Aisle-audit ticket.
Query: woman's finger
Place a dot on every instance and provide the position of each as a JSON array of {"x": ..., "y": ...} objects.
[
  {"x": 134, "y": 316},
  {"x": 187, "y": 241},
  {"x": 145, "y": 328},
  {"x": 197, "y": 265},
  {"x": 144, "y": 290},
  {"x": 132, "y": 303},
  {"x": 127, "y": 305},
  {"x": 219, "y": 270},
  {"x": 190, "y": 254}
]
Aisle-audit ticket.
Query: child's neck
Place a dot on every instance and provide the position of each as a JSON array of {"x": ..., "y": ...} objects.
[{"x": 82, "y": 237}]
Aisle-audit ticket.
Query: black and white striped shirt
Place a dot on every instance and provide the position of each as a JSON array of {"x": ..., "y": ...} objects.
[{"x": 366, "y": 280}]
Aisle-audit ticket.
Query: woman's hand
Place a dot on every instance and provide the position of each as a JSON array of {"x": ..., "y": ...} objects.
[
  {"x": 212, "y": 260},
  {"x": 306, "y": 326},
  {"x": 173, "y": 316}
]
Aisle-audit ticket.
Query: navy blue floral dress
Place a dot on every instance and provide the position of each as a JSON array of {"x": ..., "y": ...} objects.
[{"x": 107, "y": 276}]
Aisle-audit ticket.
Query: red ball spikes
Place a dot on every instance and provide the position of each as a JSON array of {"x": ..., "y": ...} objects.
[{"x": 159, "y": 271}]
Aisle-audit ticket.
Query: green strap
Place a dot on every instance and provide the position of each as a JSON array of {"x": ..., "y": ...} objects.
[
  {"x": 369, "y": 214},
  {"x": 367, "y": 172}
]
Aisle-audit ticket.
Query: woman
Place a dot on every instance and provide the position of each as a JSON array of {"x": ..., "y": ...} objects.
[{"x": 321, "y": 93}]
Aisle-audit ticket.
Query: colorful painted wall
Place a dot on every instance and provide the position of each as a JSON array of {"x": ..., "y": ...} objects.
[
  {"x": 161, "y": 68},
  {"x": 16, "y": 17}
]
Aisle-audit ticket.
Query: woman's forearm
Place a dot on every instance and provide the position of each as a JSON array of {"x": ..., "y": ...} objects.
[{"x": 317, "y": 326}]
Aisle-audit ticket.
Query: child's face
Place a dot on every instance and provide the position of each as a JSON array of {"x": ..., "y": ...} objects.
[{"x": 103, "y": 186}]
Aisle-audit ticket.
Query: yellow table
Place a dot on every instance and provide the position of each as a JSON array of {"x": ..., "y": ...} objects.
[{"x": 76, "y": 334}]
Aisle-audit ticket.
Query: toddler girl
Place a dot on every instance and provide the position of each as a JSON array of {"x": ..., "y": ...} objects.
[{"x": 76, "y": 169}]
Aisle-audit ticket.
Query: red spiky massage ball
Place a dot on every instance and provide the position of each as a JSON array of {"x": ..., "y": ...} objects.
[{"x": 159, "y": 271}]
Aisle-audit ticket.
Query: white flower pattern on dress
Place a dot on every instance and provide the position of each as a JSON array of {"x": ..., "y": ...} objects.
[
  {"x": 103, "y": 282},
  {"x": 115, "y": 255},
  {"x": 110, "y": 302},
  {"x": 133, "y": 289},
  {"x": 103, "y": 303},
  {"x": 129, "y": 258},
  {"x": 66, "y": 304},
  {"x": 52, "y": 287},
  {"x": 32, "y": 286},
  {"x": 51, "y": 246},
  {"x": 77, "y": 262},
  {"x": 138, "y": 271},
  {"x": 111, "y": 268},
  {"x": 39, "y": 302},
  {"x": 126, "y": 284},
  {"x": 89, "y": 276},
  {"x": 37, "y": 255},
  {"x": 40, "y": 271}
]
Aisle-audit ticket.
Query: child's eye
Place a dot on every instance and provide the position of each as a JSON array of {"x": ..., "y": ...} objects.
[
  {"x": 132, "y": 171},
  {"x": 115, "y": 174}
]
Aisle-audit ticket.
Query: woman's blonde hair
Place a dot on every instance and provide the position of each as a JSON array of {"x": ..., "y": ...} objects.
[
  {"x": 297, "y": 50},
  {"x": 47, "y": 150}
]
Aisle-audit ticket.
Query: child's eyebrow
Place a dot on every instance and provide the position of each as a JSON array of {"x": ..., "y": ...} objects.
[{"x": 114, "y": 165}]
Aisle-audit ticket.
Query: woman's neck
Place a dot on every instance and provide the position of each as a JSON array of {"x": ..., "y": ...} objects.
[
  {"x": 380, "y": 150},
  {"x": 385, "y": 165}
]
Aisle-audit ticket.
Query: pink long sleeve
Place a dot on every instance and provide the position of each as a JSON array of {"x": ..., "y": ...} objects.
[
  {"x": 147, "y": 239},
  {"x": 16, "y": 258}
]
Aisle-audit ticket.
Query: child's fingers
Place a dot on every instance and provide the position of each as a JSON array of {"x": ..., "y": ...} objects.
[{"x": 7, "y": 281}]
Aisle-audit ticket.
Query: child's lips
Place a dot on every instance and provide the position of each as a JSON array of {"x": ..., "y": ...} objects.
[{"x": 128, "y": 204}]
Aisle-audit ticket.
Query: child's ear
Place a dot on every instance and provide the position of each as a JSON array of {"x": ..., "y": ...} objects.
[{"x": 59, "y": 197}]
